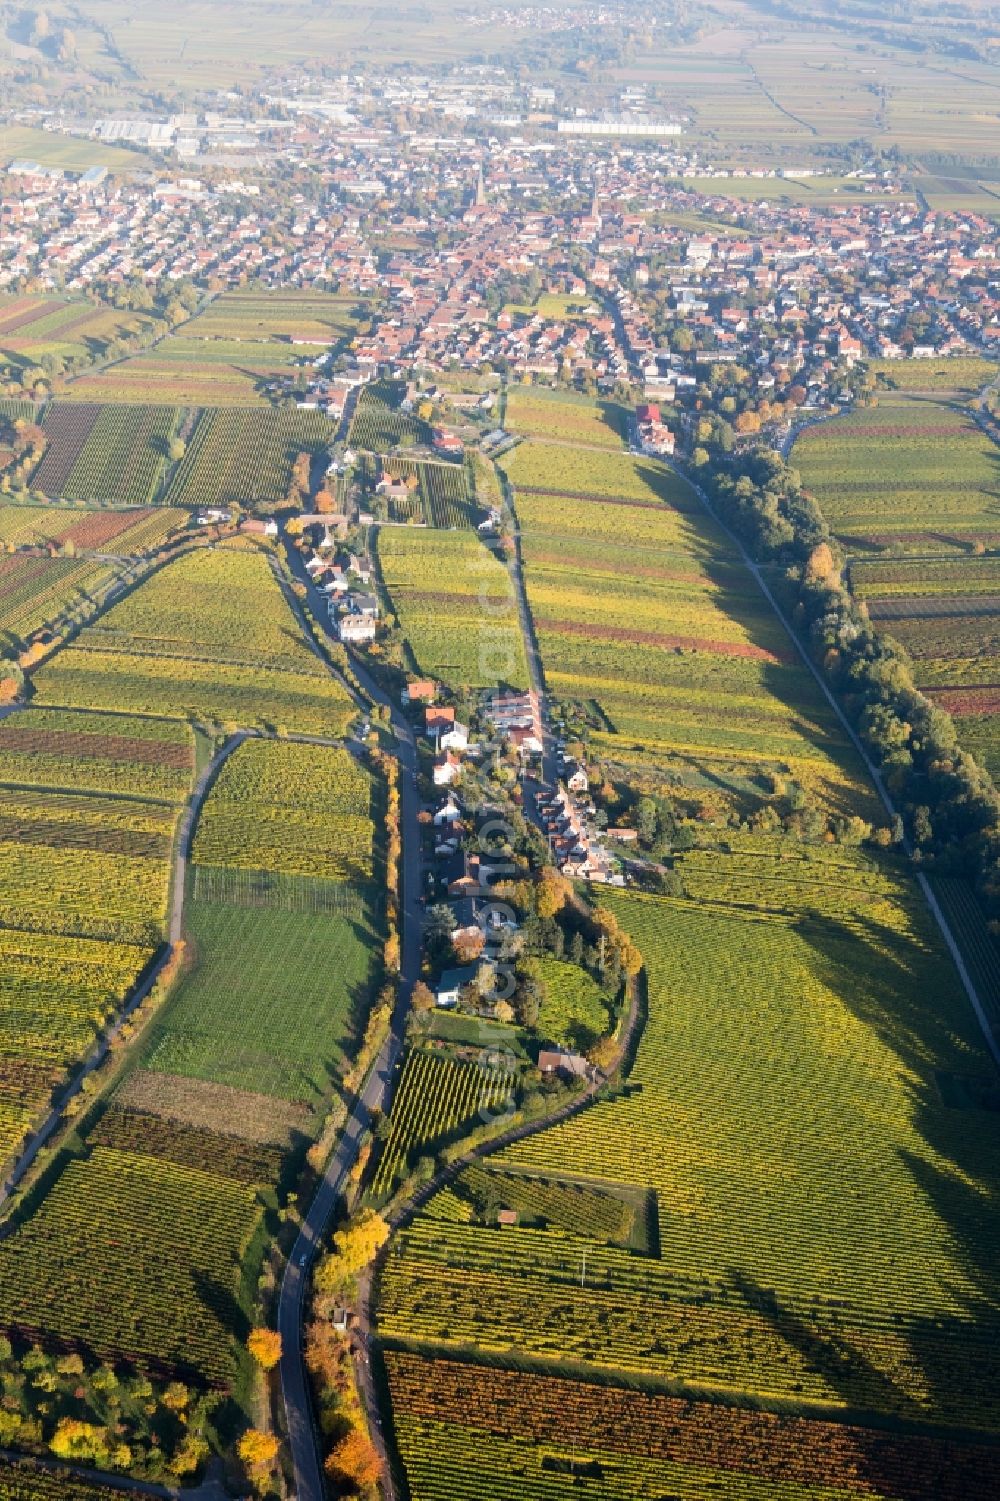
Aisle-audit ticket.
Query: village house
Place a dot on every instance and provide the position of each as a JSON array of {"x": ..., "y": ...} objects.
[
  {"x": 447, "y": 769},
  {"x": 419, "y": 691}
]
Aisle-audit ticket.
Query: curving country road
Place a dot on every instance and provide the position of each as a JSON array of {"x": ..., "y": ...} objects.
[{"x": 375, "y": 1094}]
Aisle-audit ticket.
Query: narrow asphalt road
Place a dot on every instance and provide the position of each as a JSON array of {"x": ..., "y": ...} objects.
[{"x": 375, "y": 1095}]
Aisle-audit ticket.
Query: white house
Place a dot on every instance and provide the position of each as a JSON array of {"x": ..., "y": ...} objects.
[
  {"x": 455, "y": 738},
  {"x": 448, "y": 813},
  {"x": 447, "y": 768}
]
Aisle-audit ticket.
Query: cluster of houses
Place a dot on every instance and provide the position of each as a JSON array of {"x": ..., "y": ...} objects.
[
  {"x": 577, "y": 845},
  {"x": 796, "y": 294},
  {"x": 516, "y": 718},
  {"x": 345, "y": 580}
]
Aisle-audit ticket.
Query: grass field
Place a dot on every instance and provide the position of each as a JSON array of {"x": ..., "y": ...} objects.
[
  {"x": 455, "y": 604},
  {"x": 919, "y": 477},
  {"x": 71, "y": 153}
]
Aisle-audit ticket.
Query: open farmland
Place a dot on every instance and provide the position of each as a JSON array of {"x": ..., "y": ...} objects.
[
  {"x": 559, "y": 418},
  {"x": 312, "y": 814},
  {"x": 228, "y": 353},
  {"x": 439, "y": 1095},
  {"x": 765, "y": 1013},
  {"x": 963, "y": 374},
  {"x": 121, "y": 532},
  {"x": 911, "y": 471},
  {"x": 183, "y": 375},
  {"x": 380, "y": 424},
  {"x": 626, "y": 566},
  {"x": 455, "y": 604},
  {"x": 84, "y": 857},
  {"x": 919, "y": 476},
  {"x": 303, "y": 320},
  {"x": 209, "y": 636},
  {"x": 230, "y": 1078},
  {"x": 70, "y": 329},
  {"x": 105, "y": 453},
  {"x": 238, "y": 456},
  {"x": 287, "y": 814},
  {"x": 563, "y": 1438},
  {"x": 36, "y": 592}
]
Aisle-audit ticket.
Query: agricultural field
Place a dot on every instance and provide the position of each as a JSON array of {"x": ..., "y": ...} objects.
[
  {"x": 612, "y": 475},
  {"x": 790, "y": 1065},
  {"x": 910, "y": 471},
  {"x": 919, "y": 477},
  {"x": 84, "y": 869},
  {"x": 227, "y": 354},
  {"x": 177, "y": 373},
  {"x": 300, "y": 319},
  {"x": 441, "y": 496},
  {"x": 714, "y": 701},
  {"x": 438, "y": 1095},
  {"x": 73, "y": 330},
  {"x": 562, "y": 1438},
  {"x": 312, "y": 814},
  {"x": 455, "y": 605},
  {"x": 166, "y": 1304},
  {"x": 37, "y": 592},
  {"x": 379, "y": 424},
  {"x": 71, "y": 153},
  {"x": 123, "y": 532},
  {"x": 961, "y": 374},
  {"x": 229, "y": 1080},
  {"x": 573, "y": 1012},
  {"x": 237, "y": 457},
  {"x": 209, "y": 636},
  {"x": 284, "y": 1035},
  {"x": 105, "y": 453},
  {"x": 117, "y": 754},
  {"x": 557, "y": 417}
]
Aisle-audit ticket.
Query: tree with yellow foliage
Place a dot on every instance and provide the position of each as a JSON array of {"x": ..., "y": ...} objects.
[
  {"x": 551, "y": 893},
  {"x": 257, "y": 1450},
  {"x": 353, "y": 1248},
  {"x": 265, "y": 1347}
]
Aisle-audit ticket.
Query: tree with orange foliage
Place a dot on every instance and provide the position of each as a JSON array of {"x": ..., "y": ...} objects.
[
  {"x": 325, "y": 503},
  {"x": 352, "y": 1462}
]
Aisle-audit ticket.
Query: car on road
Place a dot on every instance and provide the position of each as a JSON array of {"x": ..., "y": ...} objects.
[{"x": 304, "y": 1259}]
